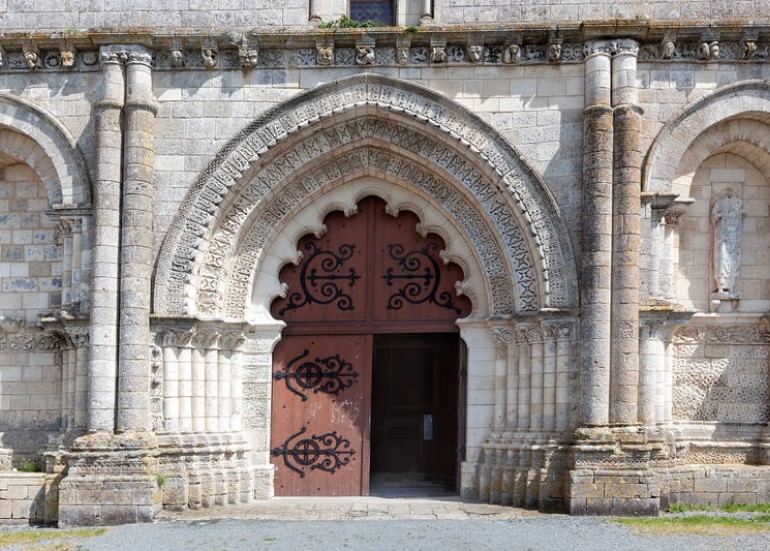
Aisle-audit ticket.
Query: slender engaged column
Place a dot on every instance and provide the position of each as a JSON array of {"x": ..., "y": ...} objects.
[
  {"x": 212, "y": 386},
  {"x": 524, "y": 378},
  {"x": 102, "y": 363},
  {"x": 564, "y": 362},
  {"x": 627, "y": 175},
  {"x": 512, "y": 398},
  {"x": 501, "y": 337},
  {"x": 185, "y": 366},
  {"x": 549, "y": 376},
  {"x": 236, "y": 388},
  {"x": 136, "y": 245},
  {"x": 596, "y": 283},
  {"x": 198, "y": 388},
  {"x": 172, "y": 391},
  {"x": 537, "y": 367}
]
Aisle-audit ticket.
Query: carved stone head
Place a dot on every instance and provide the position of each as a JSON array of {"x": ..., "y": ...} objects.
[
  {"x": 475, "y": 53},
  {"x": 177, "y": 58},
  {"x": 512, "y": 54},
  {"x": 554, "y": 51},
  {"x": 324, "y": 54},
  {"x": 67, "y": 58}
]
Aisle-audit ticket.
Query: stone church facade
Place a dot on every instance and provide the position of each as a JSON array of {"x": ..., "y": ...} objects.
[{"x": 587, "y": 180}]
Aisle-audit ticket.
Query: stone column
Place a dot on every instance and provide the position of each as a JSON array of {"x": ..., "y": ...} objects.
[
  {"x": 626, "y": 225},
  {"x": 502, "y": 338},
  {"x": 595, "y": 285},
  {"x": 136, "y": 245},
  {"x": 103, "y": 330}
]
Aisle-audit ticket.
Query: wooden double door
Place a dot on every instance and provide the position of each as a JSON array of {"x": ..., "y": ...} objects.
[{"x": 367, "y": 376}]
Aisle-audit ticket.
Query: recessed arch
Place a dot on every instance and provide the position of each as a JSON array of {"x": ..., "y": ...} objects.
[
  {"x": 367, "y": 125},
  {"x": 34, "y": 137},
  {"x": 730, "y": 114}
]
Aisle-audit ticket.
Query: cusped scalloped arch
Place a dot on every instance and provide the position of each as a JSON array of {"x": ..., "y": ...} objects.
[
  {"x": 366, "y": 125},
  {"x": 29, "y": 134}
]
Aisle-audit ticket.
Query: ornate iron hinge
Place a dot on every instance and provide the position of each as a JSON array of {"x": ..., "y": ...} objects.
[
  {"x": 308, "y": 452},
  {"x": 330, "y": 375}
]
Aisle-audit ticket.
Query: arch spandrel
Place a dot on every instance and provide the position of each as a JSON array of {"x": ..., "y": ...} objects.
[
  {"x": 526, "y": 199},
  {"x": 52, "y": 153}
]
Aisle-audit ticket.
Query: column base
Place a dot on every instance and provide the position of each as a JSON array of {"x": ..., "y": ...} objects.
[
  {"x": 615, "y": 470},
  {"x": 111, "y": 479}
]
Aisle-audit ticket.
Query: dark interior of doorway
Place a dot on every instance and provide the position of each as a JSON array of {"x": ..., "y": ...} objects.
[{"x": 415, "y": 404}]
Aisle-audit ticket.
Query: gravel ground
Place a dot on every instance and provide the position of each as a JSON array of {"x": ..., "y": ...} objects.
[{"x": 542, "y": 532}]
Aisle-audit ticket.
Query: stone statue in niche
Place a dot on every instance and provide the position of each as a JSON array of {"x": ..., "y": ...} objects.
[{"x": 726, "y": 227}]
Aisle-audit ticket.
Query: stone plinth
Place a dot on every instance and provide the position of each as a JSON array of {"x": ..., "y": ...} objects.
[{"x": 111, "y": 480}]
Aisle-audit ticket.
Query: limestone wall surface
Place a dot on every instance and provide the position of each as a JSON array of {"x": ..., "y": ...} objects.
[{"x": 216, "y": 14}]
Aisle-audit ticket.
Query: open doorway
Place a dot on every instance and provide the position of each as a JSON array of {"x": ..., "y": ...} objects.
[{"x": 415, "y": 424}]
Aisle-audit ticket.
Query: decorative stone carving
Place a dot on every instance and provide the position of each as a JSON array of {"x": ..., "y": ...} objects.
[
  {"x": 402, "y": 52},
  {"x": 708, "y": 51},
  {"x": 554, "y": 51},
  {"x": 31, "y": 56},
  {"x": 667, "y": 49},
  {"x": 210, "y": 54},
  {"x": 364, "y": 54},
  {"x": 177, "y": 58},
  {"x": 726, "y": 227},
  {"x": 67, "y": 56},
  {"x": 749, "y": 49},
  {"x": 476, "y": 53},
  {"x": 438, "y": 52},
  {"x": 2, "y": 58},
  {"x": 512, "y": 54},
  {"x": 324, "y": 54},
  {"x": 248, "y": 54},
  {"x": 541, "y": 216}
]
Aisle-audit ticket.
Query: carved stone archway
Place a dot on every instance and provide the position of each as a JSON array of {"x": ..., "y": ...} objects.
[
  {"x": 365, "y": 125},
  {"x": 324, "y": 150}
]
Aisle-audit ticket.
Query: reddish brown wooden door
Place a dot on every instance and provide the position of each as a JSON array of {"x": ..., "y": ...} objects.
[
  {"x": 369, "y": 274},
  {"x": 320, "y": 432}
]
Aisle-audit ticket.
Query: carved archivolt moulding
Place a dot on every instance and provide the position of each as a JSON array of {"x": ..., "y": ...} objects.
[{"x": 388, "y": 128}]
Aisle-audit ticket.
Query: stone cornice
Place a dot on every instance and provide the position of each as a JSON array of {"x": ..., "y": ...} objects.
[{"x": 297, "y": 46}]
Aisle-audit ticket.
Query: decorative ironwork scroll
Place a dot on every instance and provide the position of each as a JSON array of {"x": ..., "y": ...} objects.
[
  {"x": 308, "y": 452},
  {"x": 421, "y": 273},
  {"x": 331, "y": 375},
  {"x": 318, "y": 281}
]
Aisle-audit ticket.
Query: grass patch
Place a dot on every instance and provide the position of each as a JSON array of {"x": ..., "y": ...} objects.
[
  {"x": 705, "y": 525},
  {"x": 727, "y": 508},
  {"x": 345, "y": 22},
  {"x": 50, "y": 537}
]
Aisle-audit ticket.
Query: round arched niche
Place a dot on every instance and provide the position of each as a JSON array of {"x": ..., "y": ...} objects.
[
  {"x": 519, "y": 218},
  {"x": 282, "y": 247}
]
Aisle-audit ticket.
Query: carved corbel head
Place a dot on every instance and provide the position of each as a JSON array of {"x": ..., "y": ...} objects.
[
  {"x": 31, "y": 55},
  {"x": 209, "y": 53},
  {"x": 475, "y": 53},
  {"x": 512, "y": 53},
  {"x": 668, "y": 46},
  {"x": 248, "y": 53},
  {"x": 324, "y": 53},
  {"x": 402, "y": 51},
  {"x": 67, "y": 54},
  {"x": 438, "y": 51},
  {"x": 554, "y": 50}
]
